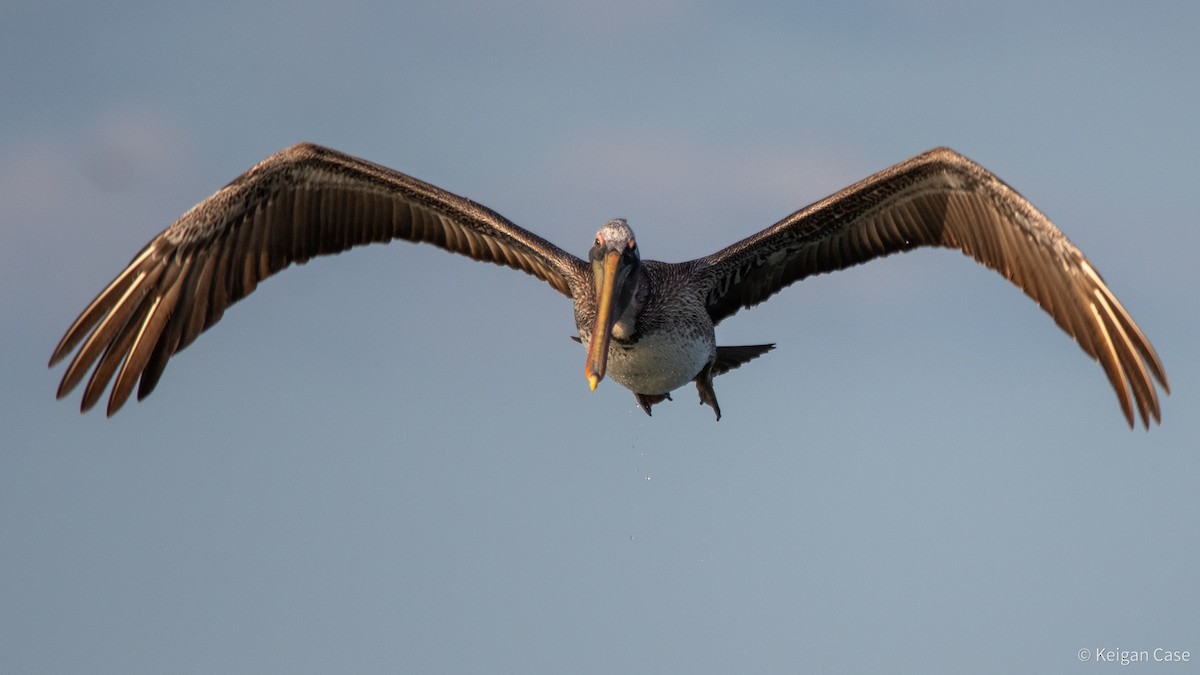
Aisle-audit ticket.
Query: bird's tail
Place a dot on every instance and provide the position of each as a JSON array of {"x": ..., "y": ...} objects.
[{"x": 729, "y": 358}]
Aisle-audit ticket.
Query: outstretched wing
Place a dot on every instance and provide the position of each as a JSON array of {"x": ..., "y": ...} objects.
[
  {"x": 941, "y": 198},
  {"x": 302, "y": 202}
]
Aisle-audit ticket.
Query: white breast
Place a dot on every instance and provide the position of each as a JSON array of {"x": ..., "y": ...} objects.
[{"x": 659, "y": 363}]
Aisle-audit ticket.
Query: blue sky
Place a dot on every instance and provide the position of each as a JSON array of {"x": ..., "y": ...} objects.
[{"x": 388, "y": 461}]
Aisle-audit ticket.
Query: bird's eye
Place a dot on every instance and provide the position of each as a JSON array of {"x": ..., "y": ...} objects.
[{"x": 632, "y": 244}]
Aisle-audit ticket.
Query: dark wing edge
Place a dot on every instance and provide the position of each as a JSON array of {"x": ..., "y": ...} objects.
[
  {"x": 941, "y": 198},
  {"x": 299, "y": 203}
]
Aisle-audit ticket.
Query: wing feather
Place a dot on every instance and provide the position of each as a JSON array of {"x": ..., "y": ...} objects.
[
  {"x": 300, "y": 203},
  {"x": 942, "y": 199}
]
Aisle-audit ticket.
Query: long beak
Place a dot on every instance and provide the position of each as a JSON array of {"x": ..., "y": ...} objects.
[{"x": 606, "y": 290}]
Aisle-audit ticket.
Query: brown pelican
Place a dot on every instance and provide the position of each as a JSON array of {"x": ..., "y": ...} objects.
[{"x": 647, "y": 324}]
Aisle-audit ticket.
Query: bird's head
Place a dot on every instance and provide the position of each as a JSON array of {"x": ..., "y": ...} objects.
[{"x": 615, "y": 266}]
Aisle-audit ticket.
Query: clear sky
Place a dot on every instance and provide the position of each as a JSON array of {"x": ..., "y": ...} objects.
[{"x": 389, "y": 461}]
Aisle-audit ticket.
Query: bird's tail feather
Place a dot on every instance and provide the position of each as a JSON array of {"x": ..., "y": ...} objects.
[{"x": 729, "y": 358}]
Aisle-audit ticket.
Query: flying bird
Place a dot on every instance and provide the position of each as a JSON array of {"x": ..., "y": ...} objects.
[{"x": 646, "y": 324}]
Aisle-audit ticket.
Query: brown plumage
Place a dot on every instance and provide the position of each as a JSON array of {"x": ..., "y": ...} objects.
[{"x": 308, "y": 201}]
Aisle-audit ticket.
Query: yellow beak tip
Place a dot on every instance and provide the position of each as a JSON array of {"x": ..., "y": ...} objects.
[{"x": 593, "y": 381}]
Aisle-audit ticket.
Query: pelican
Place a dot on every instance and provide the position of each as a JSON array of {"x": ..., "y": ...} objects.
[{"x": 646, "y": 324}]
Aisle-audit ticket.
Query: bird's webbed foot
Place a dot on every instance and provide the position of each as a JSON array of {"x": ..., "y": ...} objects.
[
  {"x": 647, "y": 400},
  {"x": 704, "y": 386}
]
